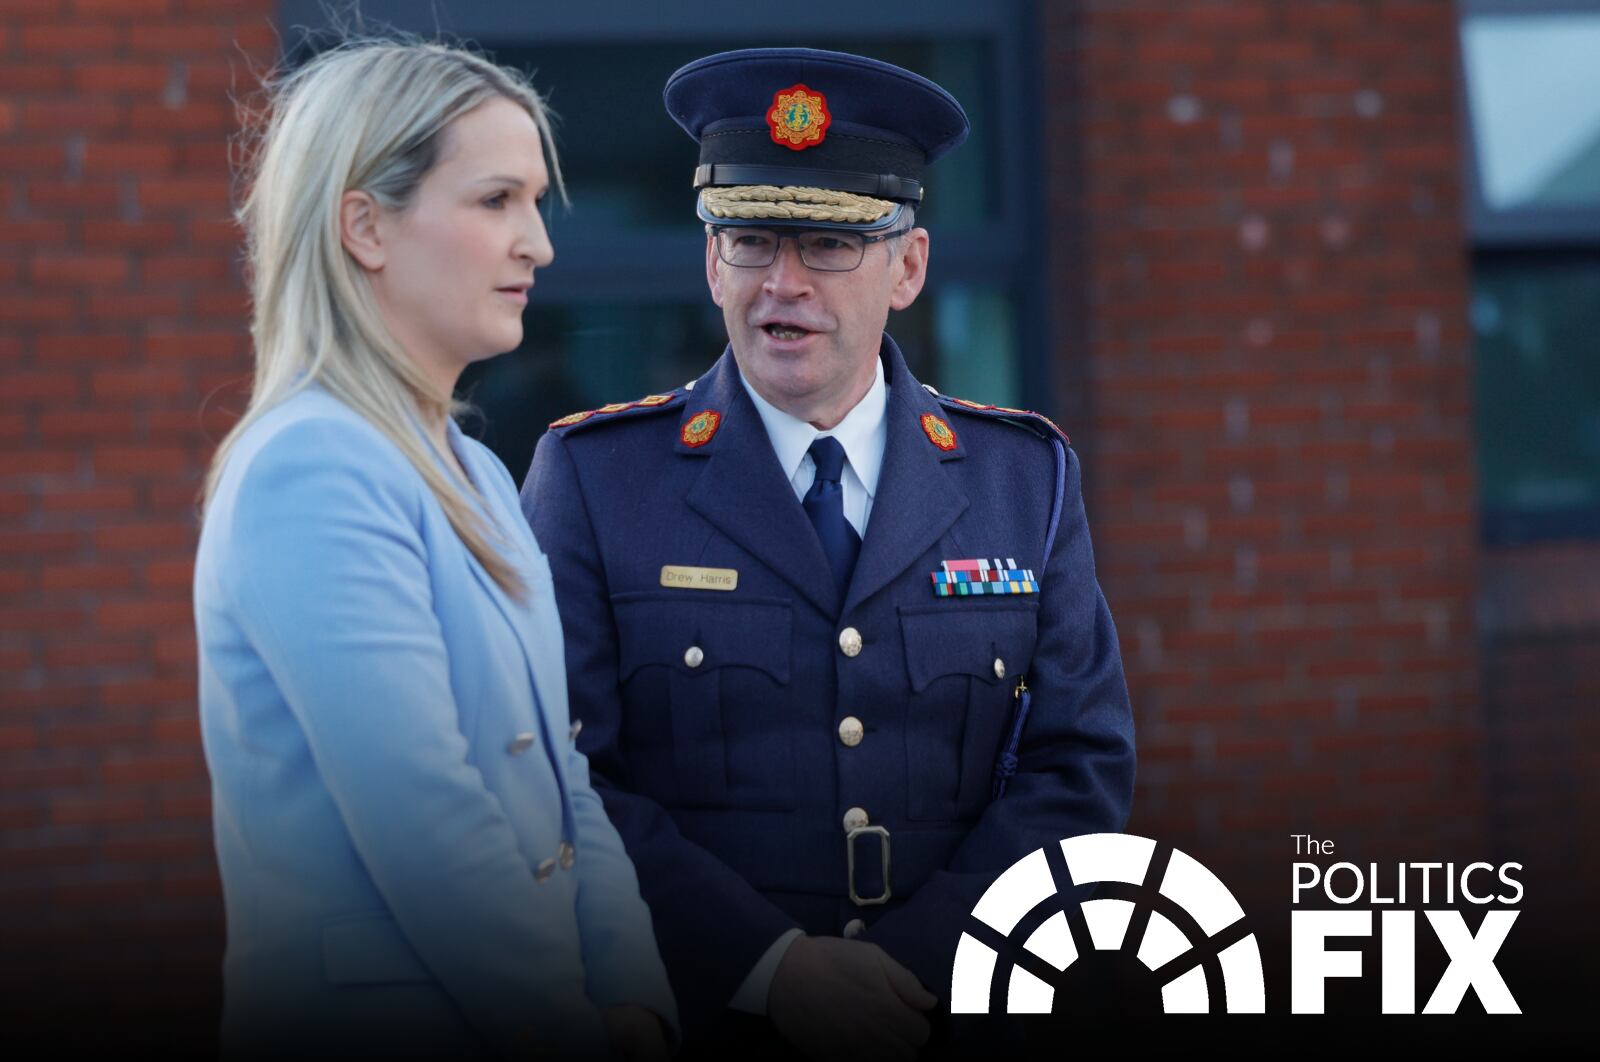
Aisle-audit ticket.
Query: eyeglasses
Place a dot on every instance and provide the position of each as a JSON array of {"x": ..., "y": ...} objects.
[{"x": 825, "y": 250}]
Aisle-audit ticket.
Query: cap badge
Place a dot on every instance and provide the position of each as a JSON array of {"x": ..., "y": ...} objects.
[
  {"x": 938, "y": 432},
  {"x": 798, "y": 118},
  {"x": 701, "y": 427}
]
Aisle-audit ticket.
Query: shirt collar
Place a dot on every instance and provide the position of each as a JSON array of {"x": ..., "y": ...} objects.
[{"x": 863, "y": 432}]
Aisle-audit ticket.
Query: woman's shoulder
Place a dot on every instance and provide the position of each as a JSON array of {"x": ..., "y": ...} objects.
[{"x": 313, "y": 441}]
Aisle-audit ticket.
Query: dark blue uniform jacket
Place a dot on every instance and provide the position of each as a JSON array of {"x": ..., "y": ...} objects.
[{"x": 727, "y": 778}]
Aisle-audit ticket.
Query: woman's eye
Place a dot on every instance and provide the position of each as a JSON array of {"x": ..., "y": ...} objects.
[{"x": 496, "y": 201}]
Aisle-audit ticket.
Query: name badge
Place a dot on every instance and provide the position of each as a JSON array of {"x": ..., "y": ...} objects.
[{"x": 686, "y": 578}]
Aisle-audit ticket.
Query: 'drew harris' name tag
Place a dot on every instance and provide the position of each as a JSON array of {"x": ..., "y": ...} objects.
[{"x": 683, "y": 577}]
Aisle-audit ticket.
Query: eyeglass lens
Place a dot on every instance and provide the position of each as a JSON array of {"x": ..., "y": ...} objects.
[{"x": 819, "y": 249}]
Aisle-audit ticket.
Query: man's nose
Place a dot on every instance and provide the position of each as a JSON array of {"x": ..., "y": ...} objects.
[{"x": 788, "y": 275}]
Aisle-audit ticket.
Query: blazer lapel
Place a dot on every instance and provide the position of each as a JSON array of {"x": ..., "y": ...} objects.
[
  {"x": 917, "y": 499},
  {"x": 742, "y": 490},
  {"x": 543, "y": 661}
]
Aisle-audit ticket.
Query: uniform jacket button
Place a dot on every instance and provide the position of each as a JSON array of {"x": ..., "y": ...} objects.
[
  {"x": 850, "y": 642},
  {"x": 520, "y": 744},
  {"x": 854, "y": 928},
  {"x": 577, "y": 728},
  {"x": 999, "y": 668},
  {"x": 567, "y": 855},
  {"x": 854, "y": 819},
  {"x": 694, "y": 656},
  {"x": 851, "y": 731},
  {"x": 545, "y": 869}
]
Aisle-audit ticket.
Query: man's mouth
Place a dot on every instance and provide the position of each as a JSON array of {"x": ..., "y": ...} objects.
[{"x": 785, "y": 331}]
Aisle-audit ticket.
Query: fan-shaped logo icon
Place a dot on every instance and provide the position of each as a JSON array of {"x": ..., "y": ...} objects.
[{"x": 1152, "y": 903}]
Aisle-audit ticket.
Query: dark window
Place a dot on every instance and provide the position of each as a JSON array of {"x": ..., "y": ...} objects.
[{"x": 1532, "y": 93}]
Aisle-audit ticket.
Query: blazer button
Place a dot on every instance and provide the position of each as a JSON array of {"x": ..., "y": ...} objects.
[
  {"x": 577, "y": 728},
  {"x": 854, "y": 819},
  {"x": 851, "y": 731},
  {"x": 854, "y": 928},
  {"x": 542, "y": 874},
  {"x": 567, "y": 854},
  {"x": 999, "y": 668},
  {"x": 850, "y": 642},
  {"x": 694, "y": 656},
  {"x": 520, "y": 744}
]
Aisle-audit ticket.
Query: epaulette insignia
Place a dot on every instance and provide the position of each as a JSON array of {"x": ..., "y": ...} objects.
[
  {"x": 1020, "y": 417},
  {"x": 572, "y": 418},
  {"x": 699, "y": 429},
  {"x": 613, "y": 408}
]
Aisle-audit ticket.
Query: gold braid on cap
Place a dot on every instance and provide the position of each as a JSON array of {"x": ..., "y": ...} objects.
[{"x": 771, "y": 203}]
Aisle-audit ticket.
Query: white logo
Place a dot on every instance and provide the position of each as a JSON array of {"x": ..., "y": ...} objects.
[{"x": 1130, "y": 914}]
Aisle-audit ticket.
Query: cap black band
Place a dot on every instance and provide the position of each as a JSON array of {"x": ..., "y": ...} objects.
[{"x": 877, "y": 185}]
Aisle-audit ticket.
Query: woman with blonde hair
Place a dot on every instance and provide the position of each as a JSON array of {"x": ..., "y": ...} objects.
[{"x": 413, "y": 860}]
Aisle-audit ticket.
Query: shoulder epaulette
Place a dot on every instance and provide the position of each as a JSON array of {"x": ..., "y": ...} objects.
[
  {"x": 1037, "y": 423},
  {"x": 619, "y": 410}
]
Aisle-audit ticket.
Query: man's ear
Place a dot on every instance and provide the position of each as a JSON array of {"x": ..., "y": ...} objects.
[
  {"x": 359, "y": 229},
  {"x": 912, "y": 267},
  {"x": 713, "y": 277}
]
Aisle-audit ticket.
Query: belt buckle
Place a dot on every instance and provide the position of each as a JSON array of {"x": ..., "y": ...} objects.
[{"x": 850, "y": 862}]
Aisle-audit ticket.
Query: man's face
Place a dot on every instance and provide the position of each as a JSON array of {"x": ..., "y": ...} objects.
[{"x": 806, "y": 339}]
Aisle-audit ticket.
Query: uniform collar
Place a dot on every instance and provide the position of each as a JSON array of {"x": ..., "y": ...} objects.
[{"x": 862, "y": 432}]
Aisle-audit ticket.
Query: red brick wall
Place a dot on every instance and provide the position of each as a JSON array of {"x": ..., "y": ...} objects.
[
  {"x": 1261, "y": 202},
  {"x": 123, "y": 314}
]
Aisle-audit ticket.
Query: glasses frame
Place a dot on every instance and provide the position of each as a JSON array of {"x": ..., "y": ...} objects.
[{"x": 866, "y": 241}]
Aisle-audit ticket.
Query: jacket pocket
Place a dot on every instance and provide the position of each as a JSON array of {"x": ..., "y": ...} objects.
[
  {"x": 720, "y": 670},
  {"x": 369, "y": 949},
  {"x": 963, "y": 661}
]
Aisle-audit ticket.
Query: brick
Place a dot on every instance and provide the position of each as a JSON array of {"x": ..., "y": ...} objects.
[
  {"x": 143, "y": 615},
  {"x": 19, "y": 544},
  {"x": 140, "y": 308},
  {"x": 140, "y": 460},
  {"x": 119, "y": 158},
  {"x": 163, "y": 535},
  {"x": 157, "y": 120},
  {"x": 140, "y": 79},
  {"x": 166, "y": 269},
  {"x": 75, "y": 116},
  {"x": 97, "y": 654},
  {"x": 127, "y": 769},
  {"x": 169, "y": 575},
  {"x": 75, "y": 270},
  {"x": 183, "y": 192},
  {"x": 122, "y": 385},
  {"x": 83, "y": 346},
  {"x": 35, "y": 310},
  {"x": 137, "y": 8},
  {"x": 89, "y": 500},
  {"x": 68, "y": 38},
  {"x": 130, "y": 235},
  {"x": 97, "y": 812},
  {"x": 85, "y": 577}
]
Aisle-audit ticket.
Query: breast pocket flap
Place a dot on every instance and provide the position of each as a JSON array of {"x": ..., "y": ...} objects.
[
  {"x": 699, "y": 636},
  {"x": 968, "y": 639}
]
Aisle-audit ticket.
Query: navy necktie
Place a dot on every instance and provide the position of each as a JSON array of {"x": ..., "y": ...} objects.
[{"x": 824, "y": 504}]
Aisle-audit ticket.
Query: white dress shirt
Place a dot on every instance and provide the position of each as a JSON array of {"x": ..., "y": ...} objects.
[{"x": 863, "y": 433}]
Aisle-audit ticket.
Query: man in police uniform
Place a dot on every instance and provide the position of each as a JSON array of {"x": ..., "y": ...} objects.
[{"x": 835, "y": 640}]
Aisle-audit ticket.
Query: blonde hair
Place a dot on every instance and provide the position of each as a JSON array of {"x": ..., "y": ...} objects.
[{"x": 367, "y": 115}]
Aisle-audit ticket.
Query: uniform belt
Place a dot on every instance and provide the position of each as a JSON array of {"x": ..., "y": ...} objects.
[{"x": 768, "y": 851}]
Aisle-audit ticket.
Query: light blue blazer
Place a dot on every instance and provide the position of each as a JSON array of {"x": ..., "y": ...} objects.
[{"x": 393, "y": 770}]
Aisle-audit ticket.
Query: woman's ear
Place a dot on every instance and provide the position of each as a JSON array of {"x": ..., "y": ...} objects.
[{"x": 358, "y": 229}]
